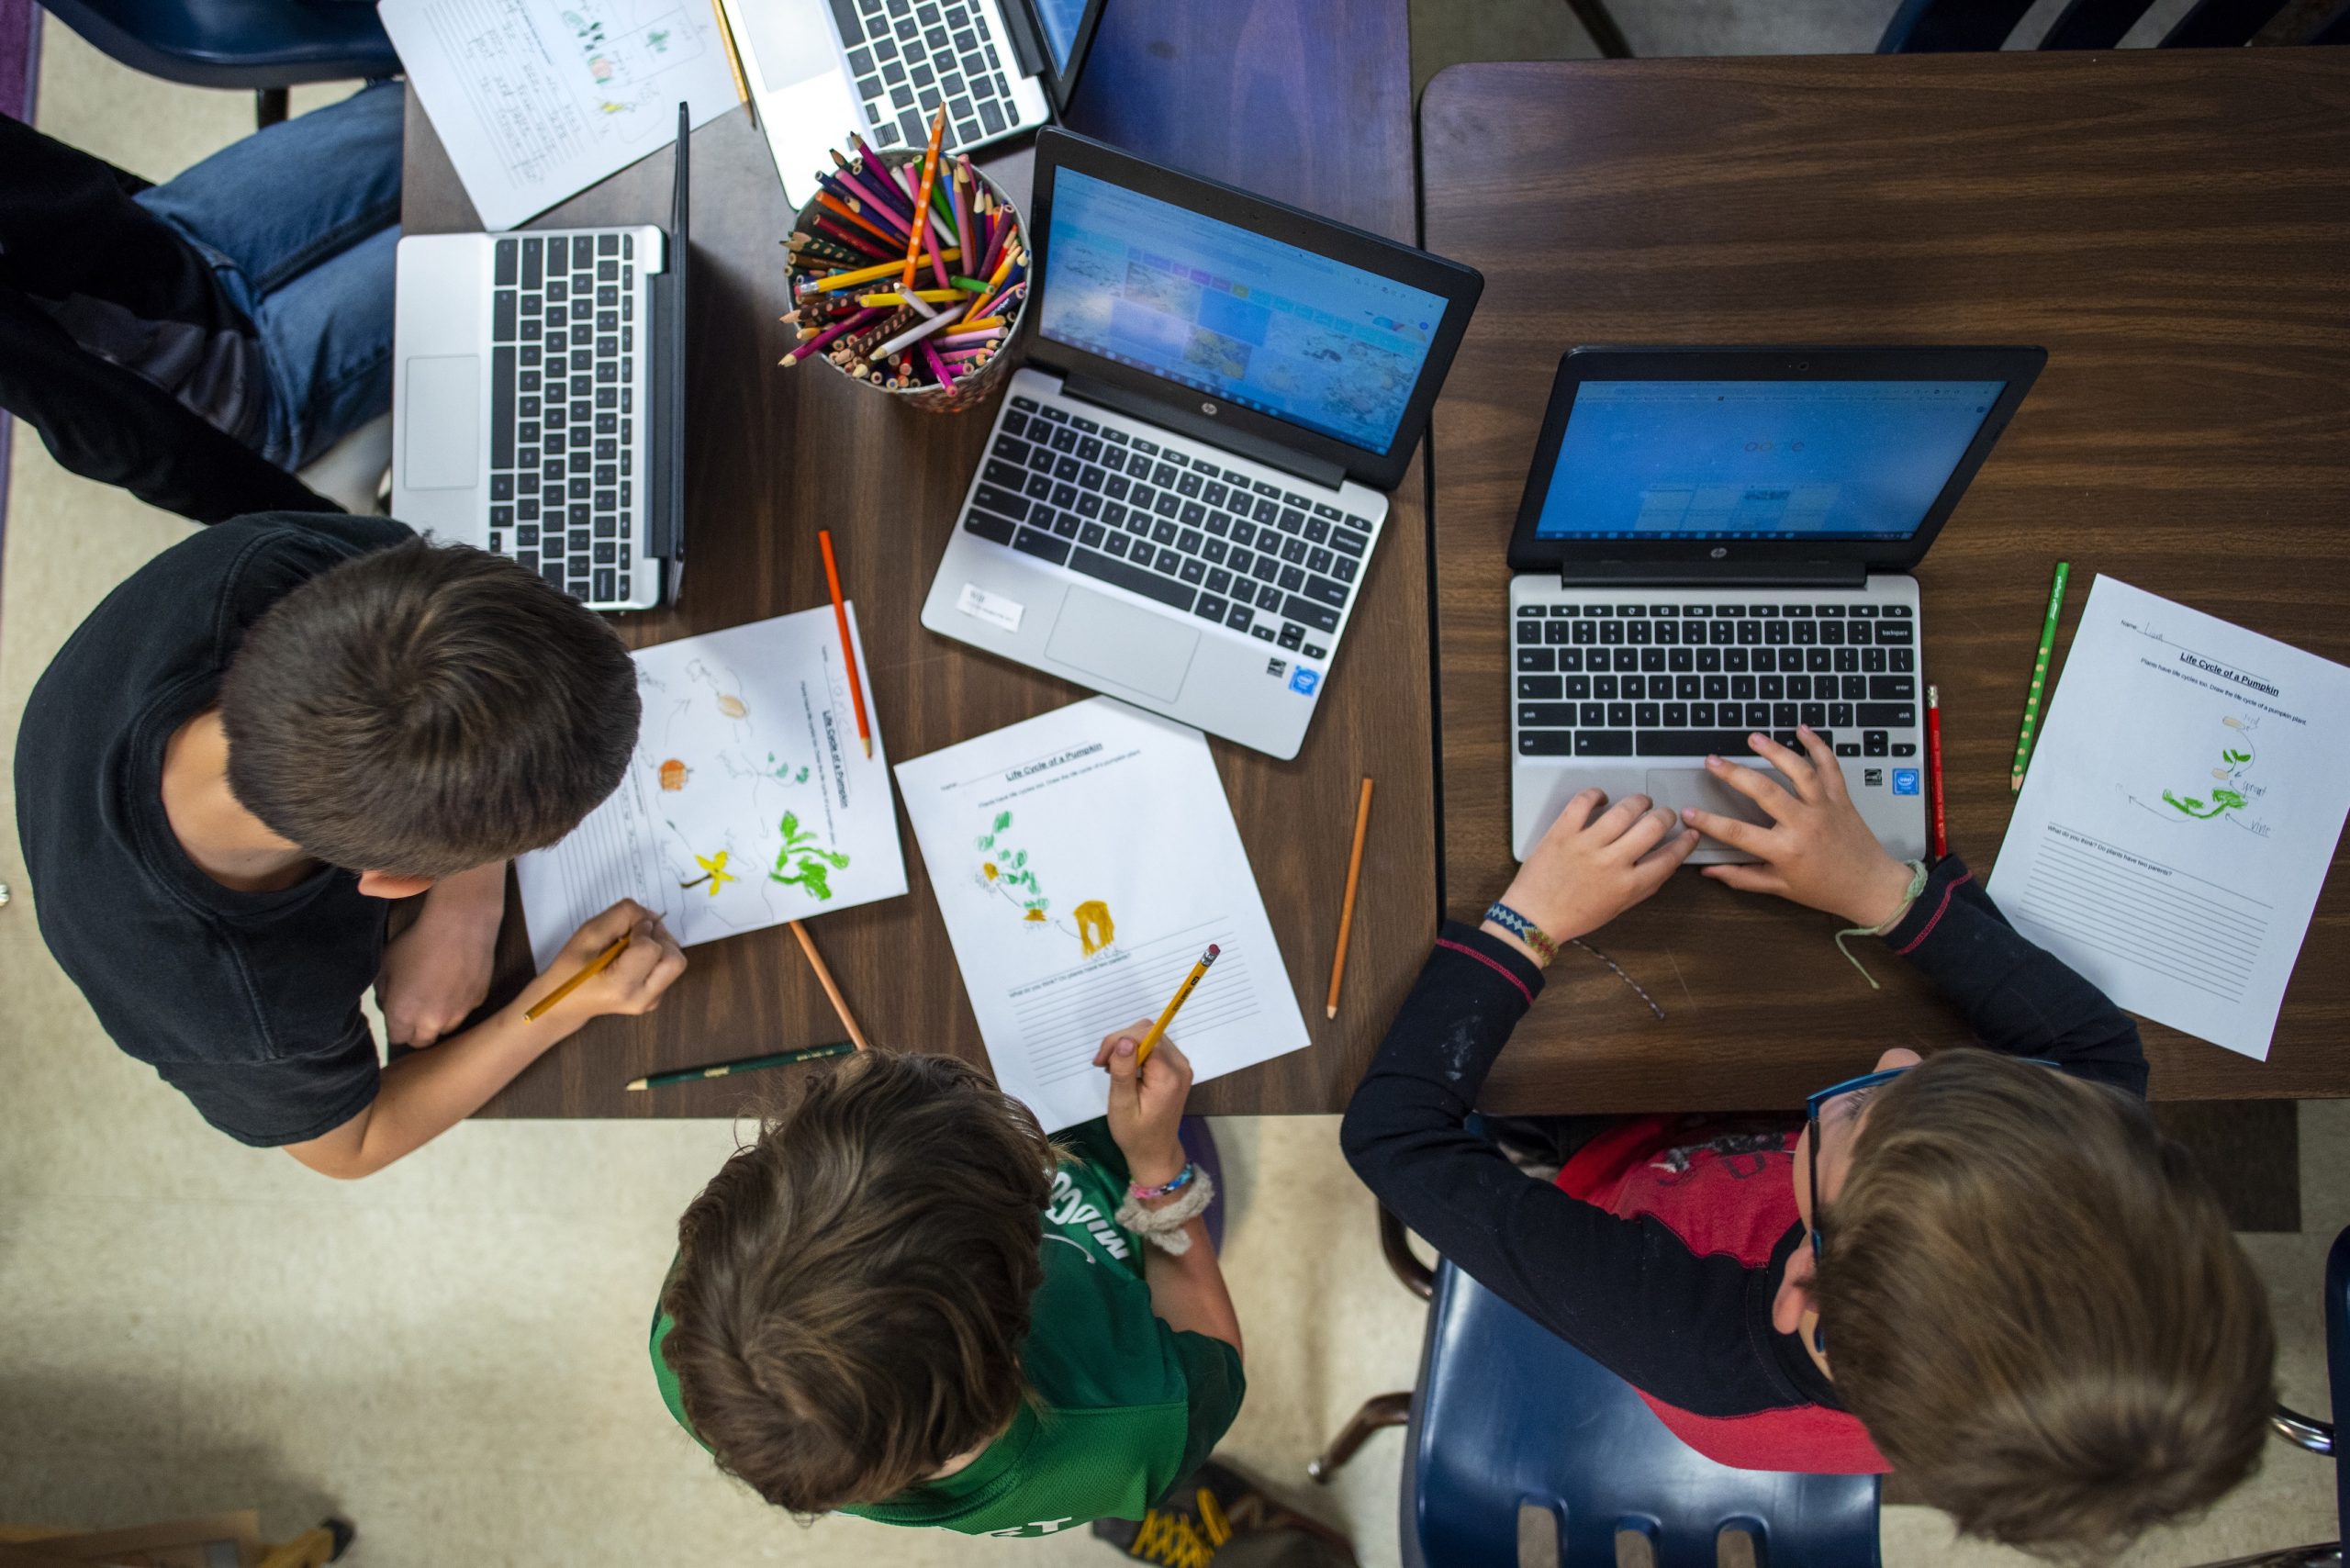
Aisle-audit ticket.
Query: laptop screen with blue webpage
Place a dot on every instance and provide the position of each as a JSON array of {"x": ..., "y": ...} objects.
[
  {"x": 1858, "y": 460},
  {"x": 1060, "y": 19},
  {"x": 1256, "y": 322}
]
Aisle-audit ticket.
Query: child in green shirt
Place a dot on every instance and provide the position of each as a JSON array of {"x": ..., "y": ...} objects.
[{"x": 903, "y": 1302}]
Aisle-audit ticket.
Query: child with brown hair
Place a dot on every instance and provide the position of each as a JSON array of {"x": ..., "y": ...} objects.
[
  {"x": 1989, "y": 1272},
  {"x": 903, "y": 1302}
]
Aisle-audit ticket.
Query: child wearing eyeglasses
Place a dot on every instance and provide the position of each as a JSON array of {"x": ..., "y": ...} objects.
[{"x": 1986, "y": 1269}]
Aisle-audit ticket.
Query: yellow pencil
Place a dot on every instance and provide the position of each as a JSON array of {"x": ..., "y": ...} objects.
[
  {"x": 839, "y": 281},
  {"x": 734, "y": 60},
  {"x": 588, "y": 971},
  {"x": 927, "y": 296},
  {"x": 1158, "y": 1030},
  {"x": 1347, "y": 908}
]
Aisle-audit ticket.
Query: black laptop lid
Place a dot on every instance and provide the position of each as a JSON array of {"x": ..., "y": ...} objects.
[
  {"x": 1236, "y": 319},
  {"x": 1705, "y": 460}
]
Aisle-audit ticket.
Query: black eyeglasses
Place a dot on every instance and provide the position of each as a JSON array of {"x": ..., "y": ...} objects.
[{"x": 1811, "y": 1156}]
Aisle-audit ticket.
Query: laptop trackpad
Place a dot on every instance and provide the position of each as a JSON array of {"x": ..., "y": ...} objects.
[
  {"x": 1675, "y": 788},
  {"x": 1122, "y": 644},
  {"x": 792, "y": 40},
  {"x": 441, "y": 425}
]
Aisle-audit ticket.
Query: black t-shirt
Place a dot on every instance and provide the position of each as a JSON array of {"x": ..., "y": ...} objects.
[{"x": 248, "y": 1003}]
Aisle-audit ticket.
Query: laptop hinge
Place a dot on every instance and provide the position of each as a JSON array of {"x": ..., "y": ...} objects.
[
  {"x": 1314, "y": 471},
  {"x": 1024, "y": 42},
  {"x": 1718, "y": 574}
]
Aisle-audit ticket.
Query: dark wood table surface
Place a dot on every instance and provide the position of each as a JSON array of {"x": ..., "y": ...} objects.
[
  {"x": 2172, "y": 225},
  {"x": 1304, "y": 100}
]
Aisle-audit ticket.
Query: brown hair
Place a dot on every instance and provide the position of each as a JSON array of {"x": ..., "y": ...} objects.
[
  {"x": 425, "y": 709},
  {"x": 852, "y": 1289},
  {"x": 2032, "y": 1301}
]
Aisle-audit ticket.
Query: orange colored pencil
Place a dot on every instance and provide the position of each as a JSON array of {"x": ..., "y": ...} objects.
[
  {"x": 848, "y": 649},
  {"x": 922, "y": 198},
  {"x": 1347, "y": 909},
  {"x": 833, "y": 204}
]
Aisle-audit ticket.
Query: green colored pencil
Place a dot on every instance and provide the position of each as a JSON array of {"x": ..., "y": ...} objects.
[
  {"x": 748, "y": 1064},
  {"x": 2038, "y": 676}
]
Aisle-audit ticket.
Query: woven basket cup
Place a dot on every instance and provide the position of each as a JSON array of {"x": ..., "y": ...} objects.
[{"x": 970, "y": 391}]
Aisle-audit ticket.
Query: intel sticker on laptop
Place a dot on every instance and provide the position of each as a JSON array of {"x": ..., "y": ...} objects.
[
  {"x": 1905, "y": 781},
  {"x": 1303, "y": 680}
]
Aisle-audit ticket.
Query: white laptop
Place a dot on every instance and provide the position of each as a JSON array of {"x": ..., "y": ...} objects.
[
  {"x": 820, "y": 69},
  {"x": 1184, "y": 488},
  {"x": 1715, "y": 541},
  {"x": 538, "y": 397}
]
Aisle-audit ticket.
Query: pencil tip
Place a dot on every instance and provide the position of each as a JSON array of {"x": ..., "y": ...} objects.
[
  {"x": 638, "y": 1084},
  {"x": 868, "y": 748},
  {"x": 1329, "y": 1012}
]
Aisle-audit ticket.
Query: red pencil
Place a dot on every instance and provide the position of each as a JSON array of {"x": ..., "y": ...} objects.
[
  {"x": 848, "y": 649},
  {"x": 1934, "y": 772}
]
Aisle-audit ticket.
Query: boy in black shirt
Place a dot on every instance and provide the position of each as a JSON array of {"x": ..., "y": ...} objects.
[{"x": 264, "y": 735}]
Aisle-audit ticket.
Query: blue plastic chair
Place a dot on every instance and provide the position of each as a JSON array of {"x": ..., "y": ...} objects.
[{"x": 267, "y": 45}]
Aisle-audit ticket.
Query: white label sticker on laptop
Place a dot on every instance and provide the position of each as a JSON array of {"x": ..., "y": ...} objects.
[{"x": 991, "y": 608}]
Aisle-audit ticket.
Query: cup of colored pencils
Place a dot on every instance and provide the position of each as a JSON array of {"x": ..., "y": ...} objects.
[{"x": 924, "y": 312}]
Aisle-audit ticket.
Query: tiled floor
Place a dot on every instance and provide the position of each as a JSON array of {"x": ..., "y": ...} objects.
[{"x": 453, "y": 1354}]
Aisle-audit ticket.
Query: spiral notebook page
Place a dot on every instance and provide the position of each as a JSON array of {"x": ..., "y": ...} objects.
[{"x": 1083, "y": 861}]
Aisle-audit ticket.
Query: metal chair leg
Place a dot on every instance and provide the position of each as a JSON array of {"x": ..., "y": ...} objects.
[
  {"x": 1605, "y": 36},
  {"x": 1379, "y": 1411},
  {"x": 269, "y": 107}
]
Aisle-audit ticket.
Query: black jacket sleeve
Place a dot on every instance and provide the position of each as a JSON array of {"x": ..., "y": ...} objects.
[
  {"x": 1626, "y": 1291},
  {"x": 2015, "y": 995}
]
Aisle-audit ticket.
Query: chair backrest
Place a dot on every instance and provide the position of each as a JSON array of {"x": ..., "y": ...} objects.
[
  {"x": 235, "y": 43},
  {"x": 1939, "y": 26},
  {"x": 1507, "y": 1416}
]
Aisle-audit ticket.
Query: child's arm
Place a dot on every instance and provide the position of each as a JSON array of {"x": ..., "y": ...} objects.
[
  {"x": 439, "y": 969},
  {"x": 1187, "y": 1292},
  {"x": 425, "y": 1093},
  {"x": 2016, "y": 996}
]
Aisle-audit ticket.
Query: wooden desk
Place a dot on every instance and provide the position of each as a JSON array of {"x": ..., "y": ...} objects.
[
  {"x": 1308, "y": 101},
  {"x": 2172, "y": 225}
]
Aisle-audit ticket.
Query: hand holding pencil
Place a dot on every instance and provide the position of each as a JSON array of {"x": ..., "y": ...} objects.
[
  {"x": 1146, "y": 1097},
  {"x": 621, "y": 962}
]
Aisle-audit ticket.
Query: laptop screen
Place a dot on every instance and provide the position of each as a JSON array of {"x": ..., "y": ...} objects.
[
  {"x": 1060, "y": 19},
  {"x": 1258, "y": 323},
  {"x": 1857, "y": 460}
]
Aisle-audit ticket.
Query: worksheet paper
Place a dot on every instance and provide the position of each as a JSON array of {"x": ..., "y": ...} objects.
[
  {"x": 2182, "y": 807},
  {"x": 1083, "y": 861},
  {"x": 536, "y": 100},
  {"x": 750, "y": 800}
]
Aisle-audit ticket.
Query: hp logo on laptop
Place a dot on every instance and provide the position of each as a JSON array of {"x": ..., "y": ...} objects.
[
  {"x": 1719, "y": 551},
  {"x": 1210, "y": 410}
]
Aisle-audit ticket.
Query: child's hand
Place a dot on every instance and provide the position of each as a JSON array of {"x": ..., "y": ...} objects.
[
  {"x": 1145, "y": 1104},
  {"x": 1594, "y": 864},
  {"x": 1816, "y": 850},
  {"x": 631, "y": 983}
]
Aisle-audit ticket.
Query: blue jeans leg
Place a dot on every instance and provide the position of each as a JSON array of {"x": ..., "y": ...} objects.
[{"x": 299, "y": 221}]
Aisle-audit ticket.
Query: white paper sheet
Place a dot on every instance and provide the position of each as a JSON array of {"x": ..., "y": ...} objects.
[
  {"x": 2183, "y": 804},
  {"x": 750, "y": 800},
  {"x": 1083, "y": 861},
  {"x": 536, "y": 100}
]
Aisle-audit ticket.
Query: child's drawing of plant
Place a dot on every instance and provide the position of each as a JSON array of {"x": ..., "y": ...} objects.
[
  {"x": 1007, "y": 871},
  {"x": 2235, "y": 757},
  {"x": 810, "y": 864}
]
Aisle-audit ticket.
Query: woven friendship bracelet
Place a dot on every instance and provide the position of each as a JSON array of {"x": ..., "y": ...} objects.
[
  {"x": 1917, "y": 886},
  {"x": 1182, "y": 1179},
  {"x": 1524, "y": 930}
]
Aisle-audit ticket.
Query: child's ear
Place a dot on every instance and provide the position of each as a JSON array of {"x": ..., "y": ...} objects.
[
  {"x": 1793, "y": 1299},
  {"x": 385, "y": 885}
]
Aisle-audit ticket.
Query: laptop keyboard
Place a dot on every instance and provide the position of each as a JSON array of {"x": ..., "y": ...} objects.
[
  {"x": 1684, "y": 680},
  {"x": 1177, "y": 527},
  {"x": 909, "y": 56},
  {"x": 562, "y": 416}
]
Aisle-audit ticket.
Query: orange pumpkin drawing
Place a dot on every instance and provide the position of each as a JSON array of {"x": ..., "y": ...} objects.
[{"x": 673, "y": 775}]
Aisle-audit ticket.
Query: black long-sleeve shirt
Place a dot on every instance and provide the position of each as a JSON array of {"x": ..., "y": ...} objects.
[{"x": 1667, "y": 1275}]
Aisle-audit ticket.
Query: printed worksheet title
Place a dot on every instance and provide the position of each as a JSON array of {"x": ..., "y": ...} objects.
[{"x": 1061, "y": 760}]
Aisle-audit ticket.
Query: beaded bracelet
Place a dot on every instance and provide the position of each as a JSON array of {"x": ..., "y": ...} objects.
[
  {"x": 1524, "y": 930},
  {"x": 1183, "y": 1180}
]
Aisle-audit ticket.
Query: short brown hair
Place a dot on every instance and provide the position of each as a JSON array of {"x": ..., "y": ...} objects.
[
  {"x": 426, "y": 708},
  {"x": 852, "y": 1289},
  {"x": 2032, "y": 1301}
]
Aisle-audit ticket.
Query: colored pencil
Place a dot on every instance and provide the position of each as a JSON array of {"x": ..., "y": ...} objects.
[
  {"x": 922, "y": 200},
  {"x": 848, "y": 648},
  {"x": 1158, "y": 1030},
  {"x": 734, "y": 60},
  {"x": 961, "y": 190},
  {"x": 1940, "y": 841},
  {"x": 863, "y": 275},
  {"x": 914, "y": 335},
  {"x": 989, "y": 335},
  {"x": 825, "y": 337},
  {"x": 940, "y": 371},
  {"x": 825, "y": 978},
  {"x": 1347, "y": 908},
  {"x": 747, "y": 1064},
  {"x": 847, "y": 210},
  {"x": 2038, "y": 676},
  {"x": 588, "y": 971},
  {"x": 927, "y": 296}
]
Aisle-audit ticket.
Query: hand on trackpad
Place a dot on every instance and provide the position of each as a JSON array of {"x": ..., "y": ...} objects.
[{"x": 1675, "y": 788}]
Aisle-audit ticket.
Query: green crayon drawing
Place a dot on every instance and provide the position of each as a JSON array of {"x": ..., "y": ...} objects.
[
  {"x": 2235, "y": 756},
  {"x": 810, "y": 864},
  {"x": 1007, "y": 871}
]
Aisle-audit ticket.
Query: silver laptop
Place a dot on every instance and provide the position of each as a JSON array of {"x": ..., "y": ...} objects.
[
  {"x": 1715, "y": 541},
  {"x": 538, "y": 390},
  {"x": 820, "y": 69},
  {"x": 1185, "y": 487}
]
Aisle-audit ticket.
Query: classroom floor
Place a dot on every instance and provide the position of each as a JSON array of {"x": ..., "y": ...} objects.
[{"x": 453, "y": 1353}]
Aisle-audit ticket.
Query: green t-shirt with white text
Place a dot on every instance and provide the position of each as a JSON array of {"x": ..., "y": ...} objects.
[{"x": 1121, "y": 1405}]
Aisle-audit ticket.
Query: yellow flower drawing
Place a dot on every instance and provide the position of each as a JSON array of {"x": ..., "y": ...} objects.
[{"x": 715, "y": 872}]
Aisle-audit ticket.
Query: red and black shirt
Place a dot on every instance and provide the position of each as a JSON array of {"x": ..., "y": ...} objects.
[{"x": 1660, "y": 1247}]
